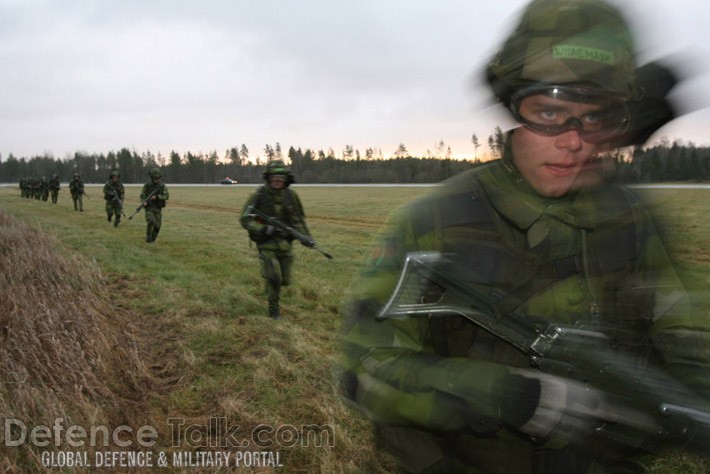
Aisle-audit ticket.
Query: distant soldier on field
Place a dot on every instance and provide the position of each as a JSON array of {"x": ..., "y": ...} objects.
[
  {"x": 153, "y": 197},
  {"x": 24, "y": 188},
  {"x": 113, "y": 194},
  {"x": 54, "y": 188},
  {"x": 76, "y": 188},
  {"x": 44, "y": 189},
  {"x": 275, "y": 251},
  {"x": 36, "y": 188}
]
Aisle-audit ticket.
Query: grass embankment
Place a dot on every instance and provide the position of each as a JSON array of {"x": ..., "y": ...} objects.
[
  {"x": 196, "y": 297},
  {"x": 66, "y": 352}
]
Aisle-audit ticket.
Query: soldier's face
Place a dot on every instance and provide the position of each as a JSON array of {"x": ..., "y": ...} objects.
[
  {"x": 557, "y": 165},
  {"x": 277, "y": 182}
]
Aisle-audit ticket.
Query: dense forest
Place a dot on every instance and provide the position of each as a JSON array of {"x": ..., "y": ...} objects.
[{"x": 663, "y": 162}]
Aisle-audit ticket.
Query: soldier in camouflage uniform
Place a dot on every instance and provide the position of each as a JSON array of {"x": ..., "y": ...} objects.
[
  {"x": 24, "y": 188},
  {"x": 275, "y": 199},
  {"x": 44, "y": 189},
  {"x": 76, "y": 189},
  {"x": 36, "y": 188},
  {"x": 153, "y": 195},
  {"x": 113, "y": 195},
  {"x": 54, "y": 188},
  {"x": 539, "y": 235}
]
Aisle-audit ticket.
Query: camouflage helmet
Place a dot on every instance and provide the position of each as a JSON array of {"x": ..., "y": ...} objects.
[
  {"x": 585, "y": 42},
  {"x": 278, "y": 167},
  {"x": 155, "y": 173},
  {"x": 115, "y": 173}
]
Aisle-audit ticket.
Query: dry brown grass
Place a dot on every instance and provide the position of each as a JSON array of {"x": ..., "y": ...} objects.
[{"x": 65, "y": 351}]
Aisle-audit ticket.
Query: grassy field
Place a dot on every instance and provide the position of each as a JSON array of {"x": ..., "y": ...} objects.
[{"x": 196, "y": 298}]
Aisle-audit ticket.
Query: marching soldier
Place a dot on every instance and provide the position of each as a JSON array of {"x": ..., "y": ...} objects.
[
  {"x": 277, "y": 200},
  {"x": 154, "y": 196},
  {"x": 113, "y": 195},
  {"x": 76, "y": 189},
  {"x": 54, "y": 188}
]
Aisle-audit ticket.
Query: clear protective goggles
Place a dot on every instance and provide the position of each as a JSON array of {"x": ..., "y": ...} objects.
[{"x": 552, "y": 110}]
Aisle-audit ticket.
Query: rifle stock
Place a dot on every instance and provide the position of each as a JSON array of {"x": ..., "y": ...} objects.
[{"x": 585, "y": 354}]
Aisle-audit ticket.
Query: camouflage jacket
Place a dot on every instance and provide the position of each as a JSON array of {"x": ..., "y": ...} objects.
[
  {"x": 593, "y": 258},
  {"x": 76, "y": 187},
  {"x": 109, "y": 189},
  {"x": 283, "y": 204},
  {"x": 161, "y": 196}
]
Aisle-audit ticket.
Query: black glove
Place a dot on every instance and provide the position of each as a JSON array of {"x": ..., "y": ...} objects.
[{"x": 561, "y": 411}]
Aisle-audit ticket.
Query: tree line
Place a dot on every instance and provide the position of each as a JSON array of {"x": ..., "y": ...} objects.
[{"x": 663, "y": 162}]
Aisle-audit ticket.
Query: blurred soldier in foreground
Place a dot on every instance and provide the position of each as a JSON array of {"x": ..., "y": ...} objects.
[
  {"x": 54, "y": 188},
  {"x": 76, "y": 189},
  {"x": 275, "y": 200},
  {"x": 524, "y": 317},
  {"x": 153, "y": 197},
  {"x": 113, "y": 195}
]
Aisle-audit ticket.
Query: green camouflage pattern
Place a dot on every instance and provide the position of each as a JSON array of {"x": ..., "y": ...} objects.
[
  {"x": 435, "y": 403},
  {"x": 76, "y": 189},
  {"x": 54, "y": 187},
  {"x": 567, "y": 41},
  {"x": 154, "y": 209},
  {"x": 114, "y": 208},
  {"x": 275, "y": 251}
]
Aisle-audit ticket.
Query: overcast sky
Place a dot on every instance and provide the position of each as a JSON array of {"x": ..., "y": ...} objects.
[{"x": 162, "y": 75}]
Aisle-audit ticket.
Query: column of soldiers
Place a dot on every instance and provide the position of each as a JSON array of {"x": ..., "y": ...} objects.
[
  {"x": 38, "y": 188},
  {"x": 153, "y": 196}
]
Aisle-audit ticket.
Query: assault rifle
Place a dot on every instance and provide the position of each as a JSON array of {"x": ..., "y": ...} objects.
[
  {"x": 672, "y": 413},
  {"x": 272, "y": 221},
  {"x": 114, "y": 198},
  {"x": 145, "y": 201}
]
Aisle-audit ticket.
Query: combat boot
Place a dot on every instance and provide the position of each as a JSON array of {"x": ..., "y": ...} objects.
[{"x": 274, "y": 313}]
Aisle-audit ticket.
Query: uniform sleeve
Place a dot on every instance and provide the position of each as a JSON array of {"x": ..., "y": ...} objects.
[
  {"x": 249, "y": 222},
  {"x": 163, "y": 195},
  {"x": 144, "y": 192},
  {"x": 392, "y": 373}
]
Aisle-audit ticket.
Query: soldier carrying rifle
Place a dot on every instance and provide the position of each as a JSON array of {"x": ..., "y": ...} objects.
[
  {"x": 277, "y": 200},
  {"x": 153, "y": 199},
  {"x": 113, "y": 195},
  {"x": 524, "y": 317},
  {"x": 54, "y": 187},
  {"x": 76, "y": 189}
]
